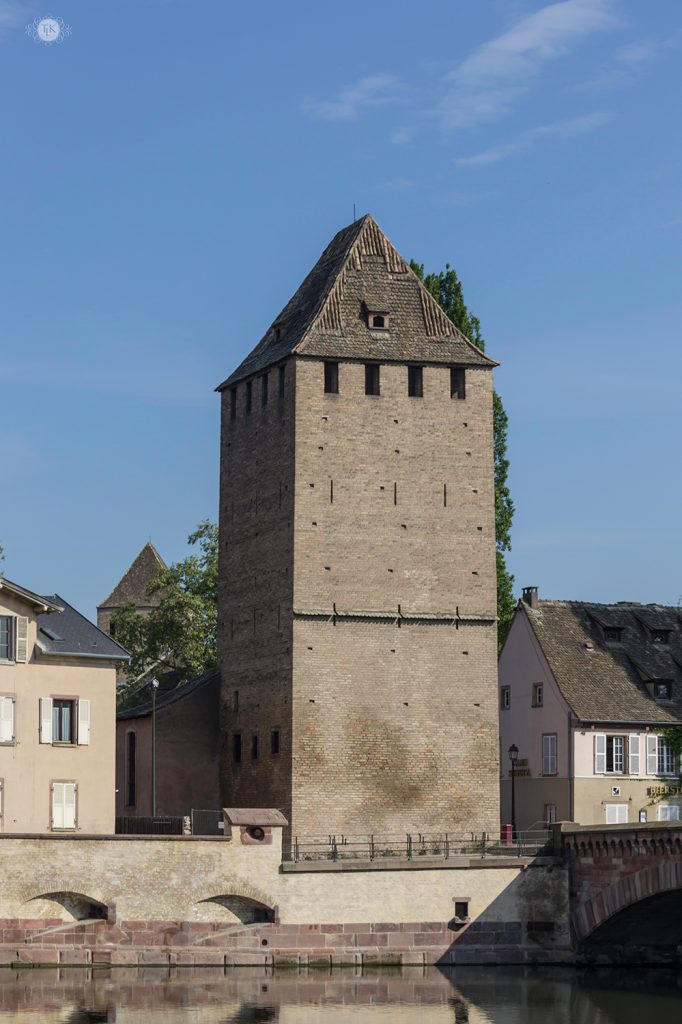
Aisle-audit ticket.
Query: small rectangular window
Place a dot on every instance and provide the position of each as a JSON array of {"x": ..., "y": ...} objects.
[
  {"x": 254, "y": 748},
  {"x": 614, "y": 634},
  {"x": 7, "y": 719},
  {"x": 457, "y": 382},
  {"x": 233, "y": 403},
  {"x": 663, "y": 689},
  {"x": 415, "y": 381},
  {"x": 281, "y": 377},
  {"x": 666, "y": 757},
  {"x": 64, "y": 805},
  {"x": 615, "y": 814},
  {"x": 63, "y": 721},
  {"x": 461, "y": 911},
  {"x": 505, "y": 698},
  {"x": 537, "y": 695},
  {"x": 660, "y": 636},
  {"x": 372, "y": 379},
  {"x": 615, "y": 754},
  {"x": 550, "y": 814},
  {"x": 264, "y": 390},
  {"x": 549, "y": 758},
  {"x": 668, "y": 812},
  {"x": 331, "y": 378},
  {"x": 237, "y": 748},
  {"x": 274, "y": 742},
  {"x": 249, "y": 395}
]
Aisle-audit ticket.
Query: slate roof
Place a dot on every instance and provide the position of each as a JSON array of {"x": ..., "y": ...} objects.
[
  {"x": 67, "y": 633},
  {"x": 327, "y": 317},
  {"x": 132, "y": 587},
  {"x": 166, "y": 697},
  {"x": 608, "y": 683}
]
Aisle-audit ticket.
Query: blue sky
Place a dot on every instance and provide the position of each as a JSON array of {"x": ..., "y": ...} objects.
[{"x": 171, "y": 170}]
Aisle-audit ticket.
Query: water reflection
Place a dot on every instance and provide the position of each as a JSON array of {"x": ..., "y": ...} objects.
[{"x": 253, "y": 996}]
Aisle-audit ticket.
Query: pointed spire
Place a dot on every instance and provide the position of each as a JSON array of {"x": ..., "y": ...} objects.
[{"x": 132, "y": 587}]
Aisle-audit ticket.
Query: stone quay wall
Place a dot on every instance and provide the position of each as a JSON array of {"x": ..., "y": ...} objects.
[{"x": 189, "y": 900}]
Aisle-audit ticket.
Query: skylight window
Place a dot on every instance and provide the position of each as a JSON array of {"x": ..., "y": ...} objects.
[
  {"x": 377, "y": 321},
  {"x": 50, "y": 633}
]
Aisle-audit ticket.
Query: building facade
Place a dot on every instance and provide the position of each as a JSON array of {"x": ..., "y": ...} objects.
[
  {"x": 57, "y": 716},
  {"x": 585, "y": 692},
  {"x": 357, "y": 601}
]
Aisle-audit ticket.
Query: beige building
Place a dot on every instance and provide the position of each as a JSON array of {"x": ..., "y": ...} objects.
[
  {"x": 357, "y": 604},
  {"x": 57, "y": 716},
  {"x": 585, "y": 691}
]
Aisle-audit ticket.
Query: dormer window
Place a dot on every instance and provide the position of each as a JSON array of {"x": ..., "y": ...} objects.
[
  {"x": 613, "y": 633},
  {"x": 663, "y": 689},
  {"x": 377, "y": 321},
  {"x": 660, "y": 636}
]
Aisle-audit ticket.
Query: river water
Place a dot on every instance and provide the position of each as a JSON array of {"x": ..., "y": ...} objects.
[{"x": 466, "y": 995}]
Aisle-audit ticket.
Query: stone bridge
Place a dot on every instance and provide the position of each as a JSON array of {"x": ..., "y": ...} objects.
[{"x": 625, "y": 888}]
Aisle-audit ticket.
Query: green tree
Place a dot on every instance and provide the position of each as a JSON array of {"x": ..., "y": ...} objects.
[
  {"x": 446, "y": 289},
  {"x": 178, "y": 636}
]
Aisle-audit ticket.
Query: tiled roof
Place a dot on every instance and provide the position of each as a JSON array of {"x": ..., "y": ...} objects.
[
  {"x": 165, "y": 697},
  {"x": 606, "y": 681},
  {"x": 70, "y": 634},
  {"x": 327, "y": 317},
  {"x": 132, "y": 587}
]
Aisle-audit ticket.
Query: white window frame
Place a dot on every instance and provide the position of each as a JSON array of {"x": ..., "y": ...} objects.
[
  {"x": 665, "y": 755},
  {"x": 634, "y": 759},
  {"x": 617, "y": 812},
  {"x": 550, "y": 814},
  {"x": 668, "y": 812},
  {"x": 550, "y": 765},
  {"x": 601, "y": 750},
  {"x": 8, "y": 714},
  {"x": 58, "y": 787},
  {"x": 538, "y": 695},
  {"x": 82, "y": 723}
]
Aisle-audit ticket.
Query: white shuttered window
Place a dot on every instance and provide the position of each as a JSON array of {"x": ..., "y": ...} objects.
[
  {"x": 633, "y": 751},
  {"x": 64, "y": 804},
  {"x": 599, "y": 754},
  {"x": 83, "y": 722},
  {"x": 6, "y": 719},
  {"x": 652, "y": 755},
  {"x": 616, "y": 814},
  {"x": 668, "y": 812},
  {"x": 549, "y": 764},
  {"x": 21, "y": 639}
]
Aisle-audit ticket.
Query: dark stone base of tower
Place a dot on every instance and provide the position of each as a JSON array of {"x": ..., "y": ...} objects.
[{"x": 357, "y": 626}]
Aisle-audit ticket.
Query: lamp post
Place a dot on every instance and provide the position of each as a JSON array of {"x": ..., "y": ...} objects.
[
  {"x": 155, "y": 686},
  {"x": 513, "y": 757}
]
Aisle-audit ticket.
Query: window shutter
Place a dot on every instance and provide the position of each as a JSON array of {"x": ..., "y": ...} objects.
[
  {"x": 600, "y": 754},
  {"x": 652, "y": 755},
  {"x": 633, "y": 748},
  {"x": 6, "y": 719},
  {"x": 21, "y": 638},
  {"x": 69, "y": 805},
  {"x": 46, "y": 720},
  {"x": 83, "y": 722},
  {"x": 57, "y": 805}
]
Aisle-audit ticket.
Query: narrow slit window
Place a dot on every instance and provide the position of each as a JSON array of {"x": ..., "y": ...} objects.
[
  {"x": 131, "y": 792},
  {"x": 415, "y": 381},
  {"x": 237, "y": 748},
  {"x": 457, "y": 382},
  {"x": 274, "y": 742},
  {"x": 372, "y": 379},
  {"x": 254, "y": 748},
  {"x": 264, "y": 389},
  {"x": 331, "y": 378}
]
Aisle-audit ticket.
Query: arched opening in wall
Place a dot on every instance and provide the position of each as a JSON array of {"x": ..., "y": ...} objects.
[
  {"x": 645, "y": 929},
  {"x": 67, "y": 906},
  {"x": 235, "y": 909}
]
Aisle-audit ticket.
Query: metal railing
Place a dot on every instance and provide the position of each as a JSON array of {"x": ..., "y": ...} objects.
[{"x": 414, "y": 846}]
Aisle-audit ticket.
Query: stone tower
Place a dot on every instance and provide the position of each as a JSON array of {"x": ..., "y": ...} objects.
[
  {"x": 357, "y": 628},
  {"x": 132, "y": 587}
]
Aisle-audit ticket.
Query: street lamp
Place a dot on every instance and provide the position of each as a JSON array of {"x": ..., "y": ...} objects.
[
  {"x": 155, "y": 686},
  {"x": 513, "y": 757}
]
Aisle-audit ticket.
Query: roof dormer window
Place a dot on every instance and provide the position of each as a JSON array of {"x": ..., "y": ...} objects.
[
  {"x": 663, "y": 689},
  {"x": 660, "y": 636},
  {"x": 614, "y": 634},
  {"x": 377, "y": 321}
]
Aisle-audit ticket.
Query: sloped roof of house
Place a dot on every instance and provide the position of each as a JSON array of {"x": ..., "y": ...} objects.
[
  {"x": 166, "y": 697},
  {"x": 132, "y": 587},
  {"x": 605, "y": 680},
  {"x": 67, "y": 633},
  {"x": 361, "y": 271},
  {"x": 37, "y": 602}
]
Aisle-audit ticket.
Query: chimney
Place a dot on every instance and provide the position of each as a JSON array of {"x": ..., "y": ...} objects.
[{"x": 530, "y": 596}]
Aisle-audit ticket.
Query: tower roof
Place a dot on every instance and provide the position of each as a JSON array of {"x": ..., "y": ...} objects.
[
  {"x": 132, "y": 587},
  {"x": 360, "y": 272}
]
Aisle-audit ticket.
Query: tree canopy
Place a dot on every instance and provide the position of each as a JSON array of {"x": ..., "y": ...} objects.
[
  {"x": 179, "y": 635},
  {"x": 447, "y": 290}
]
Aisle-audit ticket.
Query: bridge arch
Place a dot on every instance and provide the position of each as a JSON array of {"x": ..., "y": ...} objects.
[
  {"x": 65, "y": 904},
  {"x": 663, "y": 877}
]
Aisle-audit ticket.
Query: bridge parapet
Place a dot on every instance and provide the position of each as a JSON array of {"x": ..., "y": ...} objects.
[{"x": 612, "y": 867}]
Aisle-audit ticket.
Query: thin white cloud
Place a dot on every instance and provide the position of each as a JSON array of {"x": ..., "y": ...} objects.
[
  {"x": 488, "y": 82},
  {"x": 354, "y": 100},
  {"x": 628, "y": 63},
  {"x": 568, "y": 128},
  {"x": 11, "y": 15}
]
